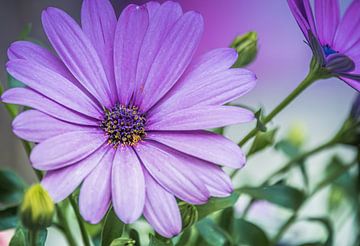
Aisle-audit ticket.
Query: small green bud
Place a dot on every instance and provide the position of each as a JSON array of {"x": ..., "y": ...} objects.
[
  {"x": 296, "y": 134},
  {"x": 189, "y": 214},
  {"x": 246, "y": 47},
  {"x": 123, "y": 241},
  {"x": 37, "y": 208}
]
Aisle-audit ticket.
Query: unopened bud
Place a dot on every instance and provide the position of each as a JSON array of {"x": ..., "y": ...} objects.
[
  {"x": 189, "y": 214},
  {"x": 37, "y": 208},
  {"x": 296, "y": 134},
  {"x": 122, "y": 241},
  {"x": 246, "y": 47}
]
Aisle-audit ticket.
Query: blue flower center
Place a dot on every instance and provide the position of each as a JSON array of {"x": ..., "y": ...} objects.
[
  {"x": 123, "y": 125},
  {"x": 328, "y": 50}
]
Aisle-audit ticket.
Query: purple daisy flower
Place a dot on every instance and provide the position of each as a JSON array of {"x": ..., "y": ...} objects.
[
  {"x": 335, "y": 42},
  {"x": 121, "y": 109}
]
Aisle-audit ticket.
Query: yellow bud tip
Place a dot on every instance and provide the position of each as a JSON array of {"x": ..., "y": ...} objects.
[
  {"x": 37, "y": 208},
  {"x": 297, "y": 134}
]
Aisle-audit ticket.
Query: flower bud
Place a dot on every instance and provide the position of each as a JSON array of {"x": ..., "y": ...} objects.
[
  {"x": 296, "y": 135},
  {"x": 246, "y": 47},
  {"x": 123, "y": 241},
  {"x": 37, "y": 208},
  {"x": 189, "y": 214}
]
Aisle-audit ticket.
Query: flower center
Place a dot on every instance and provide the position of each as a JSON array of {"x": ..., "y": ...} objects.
[
  {"x": 328, "y": 50},
  {"x": 123, "y": 125}
]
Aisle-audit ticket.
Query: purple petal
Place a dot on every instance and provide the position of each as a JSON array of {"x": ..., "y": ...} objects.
[
  {"x": 301, "y": 9},
  {"x": 60, "y": 183},
  {"x": 161, "y": 23},
  {"x": 161, "y": 209},
  {"x": 348, "y": 32},
  {"x": 215, "y": 89},
  {"x": 53, "y": 85},
  {"x": 327, "y": 13},
  {"x": 33, "y": 99},
  {"x": 128, "y": 185},
  {"x": 98, "y": 22},
  {"x": 172, "y": 59},
  {"x": 129, "y": 36},
  {"x": 66, "y": 149},
  {"x": 198, "y": 118},
  {"x": 77, "y": 53},
  {"x": 95, "y": 193},
  {"x": 152, "y": 7},
  {"x": 204, "y": 145},
  {"x": 215, "y": 179},
  {"x": 35, "y": 53},
  {"x": 170, "y": 169},
  {"x": 35, "y": 126}
]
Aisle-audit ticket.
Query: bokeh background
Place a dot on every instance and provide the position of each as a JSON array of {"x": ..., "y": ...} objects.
[{"x": 282, "y": 62}]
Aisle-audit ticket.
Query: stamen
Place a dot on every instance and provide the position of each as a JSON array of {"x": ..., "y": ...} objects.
[{"x": 123, "y": 125}]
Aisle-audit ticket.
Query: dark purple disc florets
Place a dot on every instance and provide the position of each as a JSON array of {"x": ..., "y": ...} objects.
[{"x": 123, "y": 125}]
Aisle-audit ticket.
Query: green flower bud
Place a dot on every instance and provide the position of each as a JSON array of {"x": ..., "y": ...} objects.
[
  {"x": 246, "y": 47},
  {"x": 296, "y": 134},
  {"x": 37, "y": 208},
  {"x": 189, "y": 214},
  {"x": 123, "y": 241}
]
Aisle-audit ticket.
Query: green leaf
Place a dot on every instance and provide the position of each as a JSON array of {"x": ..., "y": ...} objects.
[
  {"x": 281, "y": 195},
  {"x": 288, "y": 148},
  {"x": 135, "y": 236},
  {"x": 212, "y": 233},
  {"x": 328, "y": 226},
  {"x": 8, "y": 218},
  {"x": 156, "y": 241},
  {"x": 246, "y": 233},
  {"x": 216, "y": 204},
  {"x": 227, "y": 215},
  {"x": 123, "y": 241},
  {"x": 112, "y": 229},
  {"x": 11, "y": 189},
  {"x": 21, "y": 237},
  {"x": 259, "y": 124},
  {"x": 262, "y": 141},
  {"x": 184, "y": 237}
]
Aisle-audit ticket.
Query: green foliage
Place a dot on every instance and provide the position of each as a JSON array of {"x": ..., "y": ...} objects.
[
  {"x": 262, "y": 141},
  {"x": 212, "y": 233},
  {"x": 159, "y": 241},
  {"x": 123, "y": 241},
  {"x": 216, "y": 204},
  {"x": 246, "y": 233},
  {"x": 279, "y": 194},
  {"x": 11, "y": 189},
  {"x": 8, "y": 218},
  {"x": 112, "y": 228},
  {"x": 260, "y": 125},
  {"x": 22, "y": 237},
  {"x": 189, "y": 214},
  {"x": 135, "y": 236},
  {"x": 328, "y": 226}
]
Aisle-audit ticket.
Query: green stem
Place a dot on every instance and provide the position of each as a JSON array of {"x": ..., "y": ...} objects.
[
  {"x": 290, "y": 164},
  {"x": 83, "y": 231},
  {"x": 65, "y": 227},
  {"x": 33, "y": 237},
  {"x": 310, "y": 78},
  {"x": 292, "y": 219}
]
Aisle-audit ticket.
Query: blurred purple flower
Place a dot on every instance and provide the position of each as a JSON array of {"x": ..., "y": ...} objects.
[
  {"x": 122, "y": 109},
  {"x": 335, "y": 42}
]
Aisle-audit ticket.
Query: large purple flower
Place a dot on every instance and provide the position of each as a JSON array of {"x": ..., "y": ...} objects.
[
  {"x": 122, "y": 108},
  {"x": 335, "y": 42}
]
